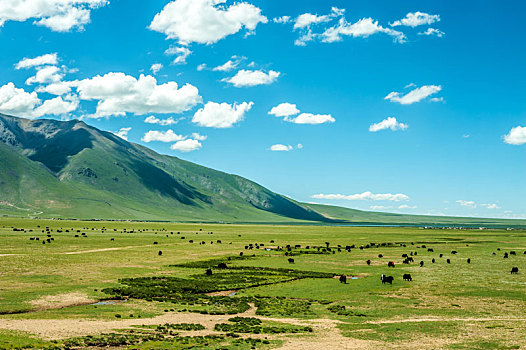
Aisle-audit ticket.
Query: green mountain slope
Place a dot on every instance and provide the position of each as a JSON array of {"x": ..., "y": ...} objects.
[
  {"x": 69, "y": 169},
  {"x": 59, "y": 169}
]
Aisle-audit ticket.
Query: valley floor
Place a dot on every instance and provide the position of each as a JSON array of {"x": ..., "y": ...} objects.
[{"x": 143, "y": 286}]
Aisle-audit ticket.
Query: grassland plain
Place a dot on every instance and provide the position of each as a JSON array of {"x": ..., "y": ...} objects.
[{"x": 50, "y": 294}]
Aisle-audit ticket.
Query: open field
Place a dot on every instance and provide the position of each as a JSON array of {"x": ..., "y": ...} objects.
[{"x": 91, "y": 291}]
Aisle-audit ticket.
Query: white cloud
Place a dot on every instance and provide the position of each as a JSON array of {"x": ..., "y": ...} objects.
[
  {"x": 516, "y": 136},
  {"x": 16, "y": 101},
  {"x": 416, "y": 19},
  {"x": 389, "y": 123},
  {"x": 20, "y": 103},
  {"x": 57, "y": 88},
  {"x": 57, "y": 106},
  {"x": 201, "y": 67},
  {"x": 153, "y": 120},
  {"x": 198, "y": 137},
  {"x": 186, "y": 145},
  {"x": 415, "y": 95},
  {"x": 221, "y": 115},
  {"x": 205, "y": 21},
  {"x": 307, "y": 19},
  {"x": 433, "y": 31},
  {"x": 123, "y": 133},
  {"x": 490, "y": 206},
  {"x": 247, "y": 78},
  {"x": 279, "y": 147},
  {"x": 282, "y": 19},
  {"x": 309, "y": 118},
  {"x": 45, "y": 75},
  {"x": 365, "y": 196},
  {"x": 180, "y": 52},
  {"x": 469, "y": 204},
  {"x": 363, "y": 28},
  {"x": 47, "y": 59},
  {"x": 379, "y": 207},
  {"x": 156, "y": 67},
  {"x": 405, "y": 206},
  {"x": 229, "y": 65},
  {"x": 162, "y": 136},
  {"x": 284, "y": 110},
  {"x": 58, "y": 15},
  {"x": 437, "y": 99},
  {"x": 118, "y": 94}
]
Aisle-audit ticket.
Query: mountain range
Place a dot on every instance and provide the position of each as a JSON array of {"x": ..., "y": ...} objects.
[{"x": 68, "y": 169}]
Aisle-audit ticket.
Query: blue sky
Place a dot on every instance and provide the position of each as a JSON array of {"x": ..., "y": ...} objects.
[{"x": 400, "y": 106}]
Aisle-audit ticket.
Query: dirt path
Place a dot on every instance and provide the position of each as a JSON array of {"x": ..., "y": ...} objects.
[{"x": 103, "y": 250}]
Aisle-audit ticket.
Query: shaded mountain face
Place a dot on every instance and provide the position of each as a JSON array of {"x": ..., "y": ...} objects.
[{"x": 69, "y": 169}]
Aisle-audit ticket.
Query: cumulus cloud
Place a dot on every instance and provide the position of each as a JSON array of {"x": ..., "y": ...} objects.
[
  {"x": 469, "y": 204},
  {"x": 57, "y": 106},
  {"x": 399, "y": 197},
  {"x": 186, "y": 145},
  {"x": 281, "y": 148},
  {"x": 282, "y": 19},
  {"x": 516, "y": 136},
  {"x": 156, "y": 67},
  {"x": 58, "y": 15},
  {"x": 415, "y": 95},
  {"x": 405, "y": 206},
  {"x": 45, "y": 75},
  {"x": 118, "y": 94},
  {"x": 221, "y": 115},
  {"x": 47, "y": 59},
  {"x": 16, "y": 101},
  {"x": 433, "y": 32},
  {"x": 198, "y": 137},
  {"x": 180, "y": 52},
  {"x": 229, "y": 65},
  {"x": 153, "y": 120},
  {"x": 490, "y": 205},
  {"x": 205, "y": 21},
  {"x": 364, "y": 27},
  {"x": 162, "y": 136},
  {"x": 284, "y": 110},
  {"x": 123, "y": 133},
  {"x": 57, "y": 88},
  {"x": 389, "y": 123},
  {"x": 414, "y": 19},
  {"x": 309, "y": 118},
  {"x": 248, "y": 78},
  {"x": 287, "y": 110},
  {"x": 379, "y": 207}
]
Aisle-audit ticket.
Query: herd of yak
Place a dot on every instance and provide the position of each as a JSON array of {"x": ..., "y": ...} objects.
[{"x": 408, "y": 258}]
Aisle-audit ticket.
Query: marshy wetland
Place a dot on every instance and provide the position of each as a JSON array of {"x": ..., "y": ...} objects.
[{"x": 143, "y": 285}]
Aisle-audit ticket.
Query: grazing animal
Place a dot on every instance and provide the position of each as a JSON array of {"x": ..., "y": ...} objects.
[
  {"x": 453, "y": 252},
  {"x": 209, "y": 272},
  {"x": 407, "y": 277},
  {"x": 343, "y": 279},
  {"x": 390, "y": 264},
  {"x": 441, "y": 255},
  {"x": 430, "y": 250},
  {"x": 368, "y": 262},
  {"x": 514, "y": 270},
  {"x": 380, "y": 255},
  {"x": 291, "y": 261},
  {"x": 421, "y": 263},
  {"x": 448, "y": 261},
  {"x": 469, "y": 261},
  {"x": 221, "y": 266},
  {"x": 513, "y": 252},
  {"x": 387, "y": 279},
  {"x": 505, "y": 255},
  {"x": 160, "y": 252},
  {"x": 404, "y": 255},
  {"x": 433, "y": 260}
]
